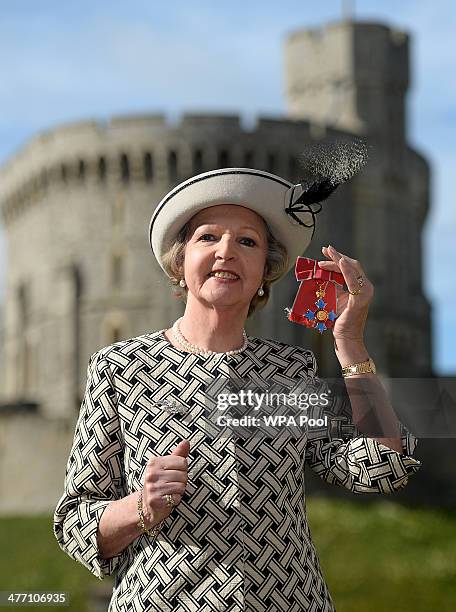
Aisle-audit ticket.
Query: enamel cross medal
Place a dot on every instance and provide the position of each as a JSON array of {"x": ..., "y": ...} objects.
[{"x": 319, "y": 313}]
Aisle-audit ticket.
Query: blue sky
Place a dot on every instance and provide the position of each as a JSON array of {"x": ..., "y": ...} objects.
[{"x": 70, "y": 61}]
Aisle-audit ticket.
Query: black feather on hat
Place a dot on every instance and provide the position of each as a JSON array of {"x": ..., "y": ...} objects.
[{"x": 326, "y": 166}]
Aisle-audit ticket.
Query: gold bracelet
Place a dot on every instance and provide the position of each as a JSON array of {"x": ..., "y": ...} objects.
[
  {"x": 364, "y": 367},
  {"x": 153, "y": 531}
]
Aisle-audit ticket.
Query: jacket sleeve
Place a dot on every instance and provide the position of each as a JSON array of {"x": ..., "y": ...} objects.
[
  {"x": 340, "y": 454},
  {"x": 93, "y": 474},
  {"x": 362, "y": 464}
]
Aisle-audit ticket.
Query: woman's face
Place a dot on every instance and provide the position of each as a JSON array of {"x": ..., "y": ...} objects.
[{"x": 231, "y": 238}]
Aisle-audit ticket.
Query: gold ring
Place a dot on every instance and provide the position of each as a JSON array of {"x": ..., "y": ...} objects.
[
  {"x": 357, "y": 292},
  {"x": 170, "y": 500},
  {"x": 360, "y": 280}
]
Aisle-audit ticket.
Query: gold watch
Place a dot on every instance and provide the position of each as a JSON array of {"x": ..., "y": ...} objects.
[{"x": 364, "y": 367}]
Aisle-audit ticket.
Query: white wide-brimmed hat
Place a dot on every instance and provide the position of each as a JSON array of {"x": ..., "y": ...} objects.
[{"x": 288, "y": 209}]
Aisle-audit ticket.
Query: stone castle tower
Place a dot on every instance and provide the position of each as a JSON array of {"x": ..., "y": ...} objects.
[
  {"x": 76, "y": 202},
  {"x": 355, "y": 77}
]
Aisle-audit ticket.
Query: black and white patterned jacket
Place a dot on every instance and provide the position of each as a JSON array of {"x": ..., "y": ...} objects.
[{"x": 239, "y": 539}]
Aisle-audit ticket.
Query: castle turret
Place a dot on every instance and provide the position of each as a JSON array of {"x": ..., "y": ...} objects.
[{"x": 353, "y": 76}]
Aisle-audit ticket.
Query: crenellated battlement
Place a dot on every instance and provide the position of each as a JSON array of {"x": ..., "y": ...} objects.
[
  {"x": 211, "y": 122},
  {"x": 145, "y": 151}
]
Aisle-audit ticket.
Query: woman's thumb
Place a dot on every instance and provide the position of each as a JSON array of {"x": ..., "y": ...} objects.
[{"x": 182, "y": 449}]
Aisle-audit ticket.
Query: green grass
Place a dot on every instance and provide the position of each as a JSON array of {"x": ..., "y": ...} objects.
[
  {"x": 383, "y": 556},
  {"x": 32, "y": 560},
  {"x": 375, "y": 557}
]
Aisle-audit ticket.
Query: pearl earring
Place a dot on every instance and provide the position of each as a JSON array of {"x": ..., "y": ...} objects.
[
  {"x": 260, "y": 291},
  {"x": 182, "y": 282}
]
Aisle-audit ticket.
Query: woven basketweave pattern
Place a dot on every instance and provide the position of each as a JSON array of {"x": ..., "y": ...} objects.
[{"x": 239, "y": 539}]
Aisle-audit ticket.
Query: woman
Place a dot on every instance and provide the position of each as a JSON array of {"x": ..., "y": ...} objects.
[{"x": 187, "y": 518}]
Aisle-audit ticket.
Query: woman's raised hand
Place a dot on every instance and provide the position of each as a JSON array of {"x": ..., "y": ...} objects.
[
  {"x": 168, "y": 474},
  {"x": 351, "y": 309}
]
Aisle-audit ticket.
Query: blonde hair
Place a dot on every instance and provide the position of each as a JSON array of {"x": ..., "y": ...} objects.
[{"x": 276, "y": 265}]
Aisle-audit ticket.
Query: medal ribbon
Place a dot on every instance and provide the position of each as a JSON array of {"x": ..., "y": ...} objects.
[{"x": 315, "y": 304}]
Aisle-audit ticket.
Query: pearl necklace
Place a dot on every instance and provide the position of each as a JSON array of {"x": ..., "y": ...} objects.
[{"x": 192, "y": 348}]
